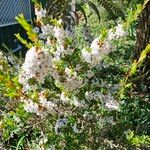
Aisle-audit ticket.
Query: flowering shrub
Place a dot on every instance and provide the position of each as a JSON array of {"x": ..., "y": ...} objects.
[
  {"x": 54, "y": 55},
  {"x": 62, "y": 97}
]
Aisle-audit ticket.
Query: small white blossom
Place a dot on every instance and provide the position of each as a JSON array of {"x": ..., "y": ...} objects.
[
  {"x": 86, "y": 55},
  {"x": 89, "y": 95},
  {"x": 60, "y": 34},
  {"x": 78, "y": 103},
  {"x": 112, "y": 105},
  {"x": 90, "y": 74},
  {"x": 68, "y": 72},
  {"x": 75, "y": 129},
  {"x": 119, "y": 31},
  {"x": 43, "y": 140},
  {"x": 49, "y": 105},
  {"x": 40, "y": 13},
  {"x": 11, "y": 59},
  {"x": 64, "y": 97},
  {"x": 46, "y": 29},
  {"x": 36, "y": 30},
  {"x": 111, "y": 35},
  {"x": 95, "y": 46}
]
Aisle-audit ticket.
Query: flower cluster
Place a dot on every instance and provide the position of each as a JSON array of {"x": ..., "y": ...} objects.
[
  {"x": 89, "y": 95},
  {"x": 97, "y": 52},
  {"x": 52, "y": 59},
  {"x": 107, "y": 100},
  {"x": 62, "y": 47},
  {"x": 118, "y": 33},
  {"x": 99, "y": 49},
  {"x": 33, "y": 107},
  {"x": 73, "y": 101},
  {"x": 112, "y": 105},
  {"x": 36, "y": 66},
  {"x": 42, "y": 108},
  {"x": 40, "y": 13}
]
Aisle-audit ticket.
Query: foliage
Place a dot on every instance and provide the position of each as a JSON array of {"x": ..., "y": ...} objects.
[{"x": 137, "y": 140}]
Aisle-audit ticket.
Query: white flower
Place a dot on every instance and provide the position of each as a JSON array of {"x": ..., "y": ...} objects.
[
  {"x": 112, "y": 105},
  {"x": 68, "y": 72},
  {"x": 78, "y": 103},
  {"x": 11, "y": 59},
  {"x": 89, "y": 95},
  {"x": 119, "y": 31},
  {"x": 40, "y": 13},
  {"x": 106, "y": 48},
  {"x": 73, "y": 83},
  {"x": 75, "y": 129},
  {"x": 46, "y": 104},
  {"x": 32, "y": 107},
  {"x": 90, "y": 74},
  {"x": 60, "y": 34},
  {"x": 86, "y": 55},
  {"x": 36, "y": 30},
  {"x": 64, "y": 97},
  {"x": 95, "y": 47},
  {"x": 43, "y": 140},
  {"x": 97, "y": 52},
  {"x": 17, "y": 119},
  {"x": 47, "y": 29},
  {"x": 111, "y": 35},
  {"x": 42, "y": 36}
]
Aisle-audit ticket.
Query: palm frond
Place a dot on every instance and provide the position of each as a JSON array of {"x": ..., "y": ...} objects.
[
  {"x": 80, "y": 8},
  {"x": 112, "y": 8},
  {"x": 94, "y": 7}
]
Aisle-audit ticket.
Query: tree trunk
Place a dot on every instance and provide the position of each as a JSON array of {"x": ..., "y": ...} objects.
[
  {"x": 143, "y": 31},
  {"x": 143, "y": 39}
]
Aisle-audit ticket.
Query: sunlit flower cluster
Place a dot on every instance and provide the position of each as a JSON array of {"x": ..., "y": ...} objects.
[
  {"x": 62, "y": 47},
  {"x": 107, "y": 100},
  {"x": 36, "y": 66},
  {"x": 89, "y": 95},
  {"x": 33, "y": 107},
  {"x": 99, "y": 49},
  {"x": 69, "y": 92},
  {"x": 50, "y": 59},
  {"x": 46, "y": 31},
  {"x": 96, "y": 52},
  {"x": 69, "y": 79},
  {"x": 42, "y": 108},
  {"x": 117, "y": 33},
  {"x": 112, "y": 105},
  {"x": 40, "y": 13}
]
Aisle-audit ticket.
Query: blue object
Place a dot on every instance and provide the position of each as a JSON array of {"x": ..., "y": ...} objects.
[{"x": 9, "y": 9}]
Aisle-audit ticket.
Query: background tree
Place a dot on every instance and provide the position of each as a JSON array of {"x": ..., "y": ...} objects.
[{"x": 143, "y": 39}]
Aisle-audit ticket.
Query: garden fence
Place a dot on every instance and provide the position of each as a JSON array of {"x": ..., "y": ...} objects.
[{"x": 9, "y": 9}]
